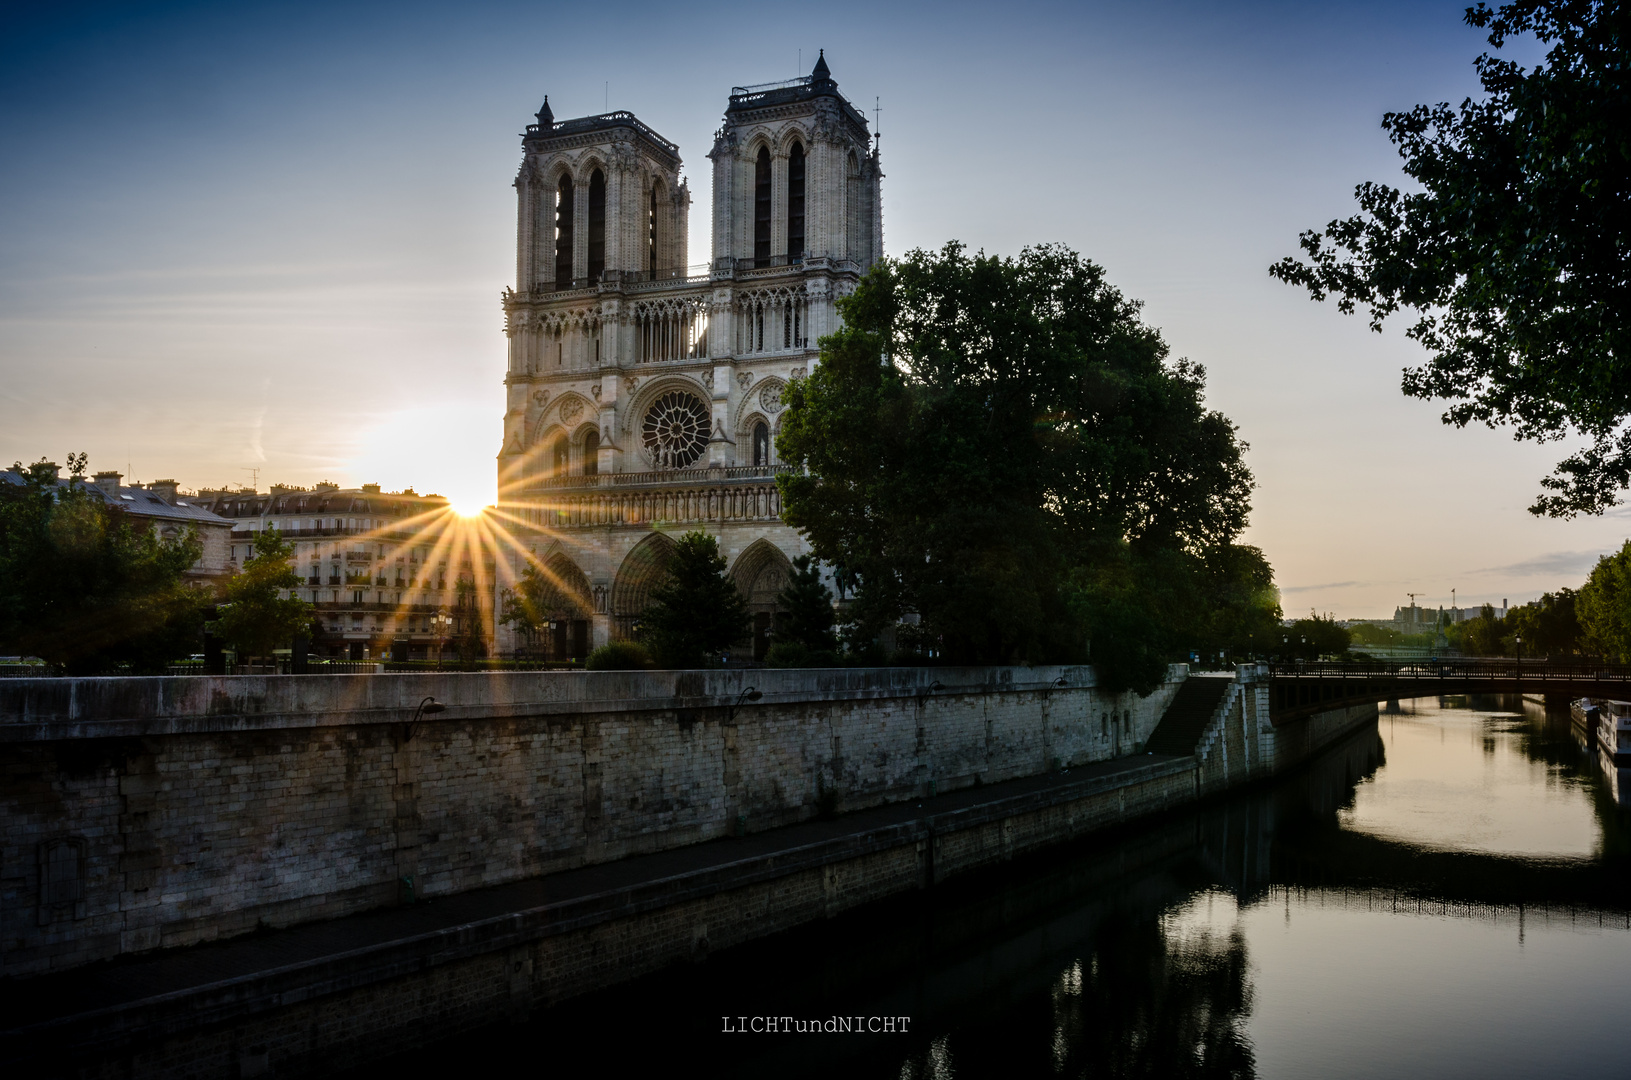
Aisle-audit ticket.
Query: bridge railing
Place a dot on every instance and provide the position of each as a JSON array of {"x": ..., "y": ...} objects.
[{"x": 1491, "y": 669}]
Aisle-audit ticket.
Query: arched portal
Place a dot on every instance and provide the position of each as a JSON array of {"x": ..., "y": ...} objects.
[
  {"x": 565, "y": 607},
  {"x": 643, "y": 569},
  {"x": 761, "y": 573}
]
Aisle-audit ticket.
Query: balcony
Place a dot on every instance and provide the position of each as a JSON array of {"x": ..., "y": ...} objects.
[{"x": 706, "y": 496}]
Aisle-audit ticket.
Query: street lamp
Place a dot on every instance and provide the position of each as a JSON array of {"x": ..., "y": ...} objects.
[{"x": 428, "y": 707}]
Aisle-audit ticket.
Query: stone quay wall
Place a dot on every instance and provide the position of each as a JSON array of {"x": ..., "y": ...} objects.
[{"x": 141, "y": 813}]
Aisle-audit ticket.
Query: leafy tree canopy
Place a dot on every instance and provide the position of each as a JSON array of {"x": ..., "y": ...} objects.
[
  {"x": 1001, "y": 446},
  {"x": 537, "y": 597},
  {"x": 86, "y": 587},
  {"x": 1603, "y": 606},
  {"x": 697, "y": 612},
  {"x": 1515, "y": 252},
  {"x": 1548, "y": 627},
  {"x": 255, "y": 619},
  {"x": 804, "y": 634},
  {"x": 1314, "y": 637}
]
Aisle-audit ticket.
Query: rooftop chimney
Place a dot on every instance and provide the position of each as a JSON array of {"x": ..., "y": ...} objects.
[
  {"x": 165, "y": 489},
  {"x": 108, "y": 482}
]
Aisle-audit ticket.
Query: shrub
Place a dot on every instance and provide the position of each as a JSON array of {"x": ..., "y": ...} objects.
[
  {"x": 619, "y": 656},
  {"x": 795, "y": 654}
]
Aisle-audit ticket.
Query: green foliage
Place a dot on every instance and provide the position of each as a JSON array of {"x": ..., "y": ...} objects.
[
  {"x": 468, "y": 643},
  {"x": 1001, "y": 447},
  {"x": 1548, "y": 626},
  {"x": 804, "y": 611},
  {"x": 1313, "y": 638},
  {"x": 1481, "y": 635},
  {"x": 619, "y": 656},
  {"x": 535, "y": 598},
  {"x": 86, "y": 587},
  {"x": 1514, "y": 250},
  {"x": 254, "y": 618},
  {"x": 696, "y": 613},
  {"x": 1370, "y": 634},
  {"x": 1603, "y": 606}
]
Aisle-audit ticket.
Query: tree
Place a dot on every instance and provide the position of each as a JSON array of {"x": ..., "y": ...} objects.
[
  {"x": 85, "y": 587},
  {"x": 1603, "y": 606},
  {"x": 1515, "y": 252},
  {"x": 254, "y": 618},
  {"x": 987, "y": 439},
  {"x": 468, "y": 641},
  {"x": 697, "y": 612},
  {"x": 804, "y": 635},
  {"x": 1314, "y": 638},
  {"x": 1548, "y": 626},
  {"x": 1482, "y": 635},
  {"x": 537, "y": 597}
]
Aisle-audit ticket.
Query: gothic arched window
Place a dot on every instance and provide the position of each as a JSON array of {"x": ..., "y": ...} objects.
[
  {"x": 591, "y": 454},
  {"x": 558, "y": 457},
  {"x": 761, "y": 444},
  {"x": 795, "y": 204},
  {"x": 563, "y": 234},
  {"x": 597, "y": 225},
  {"x": 651, "y": 232},
  {"x": 761, "y": 208}
]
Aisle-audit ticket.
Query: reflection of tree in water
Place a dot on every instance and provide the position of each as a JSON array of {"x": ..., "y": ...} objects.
[
  {"x": 1149, "y": 1003},
  {"x": 1145, "y": 1002}
]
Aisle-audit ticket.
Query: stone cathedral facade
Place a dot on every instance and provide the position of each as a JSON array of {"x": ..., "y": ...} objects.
[{"x": 644, "y": 392}]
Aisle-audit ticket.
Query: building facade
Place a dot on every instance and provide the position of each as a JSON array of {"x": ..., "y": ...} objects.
[
  {"x": 383, "y": 569},
  {"x": 643, "y": 393}
]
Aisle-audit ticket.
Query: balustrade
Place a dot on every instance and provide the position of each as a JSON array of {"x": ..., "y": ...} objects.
[{"x": 718, "y": 502}]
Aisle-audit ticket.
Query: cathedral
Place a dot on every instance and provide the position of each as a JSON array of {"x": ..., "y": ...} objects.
[{"x": 644, "y": 392}]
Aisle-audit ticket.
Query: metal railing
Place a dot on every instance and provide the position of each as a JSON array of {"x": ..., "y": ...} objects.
[{"x": 1488, "y": 669}]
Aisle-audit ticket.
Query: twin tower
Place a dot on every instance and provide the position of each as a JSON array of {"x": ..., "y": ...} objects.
[{"x": 644, "y": 391}]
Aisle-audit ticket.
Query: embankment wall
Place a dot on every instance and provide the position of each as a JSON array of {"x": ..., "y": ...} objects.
[{"x": 137, "y": 814}]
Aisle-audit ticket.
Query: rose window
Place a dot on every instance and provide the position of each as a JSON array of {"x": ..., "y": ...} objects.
[{"x": 676, "y": 430}]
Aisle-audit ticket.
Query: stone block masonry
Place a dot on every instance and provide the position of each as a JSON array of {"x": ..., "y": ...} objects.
[{"x": 137, "y": 814}]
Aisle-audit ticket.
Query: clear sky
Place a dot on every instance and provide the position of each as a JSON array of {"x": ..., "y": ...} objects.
[{"x": 273, "y": 237}]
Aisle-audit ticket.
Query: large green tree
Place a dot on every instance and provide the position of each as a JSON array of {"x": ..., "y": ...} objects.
[
  {"x": 86, "y": 587},
  {"x": 697, "y": 612},
  {"x": 804, "y": 635},
  {"x": 1002, "y": 448},
  {"x": 1548, "y": 626},
  {"x": 1603, "y": 606},
  {"x": 255, "y": 617},
  {"x": 1515, "y": 252}
]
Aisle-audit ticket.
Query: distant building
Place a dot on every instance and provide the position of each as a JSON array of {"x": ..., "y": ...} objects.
[
  {"x": 382, "y": 568},
  {"x": 169, "y": 512}
]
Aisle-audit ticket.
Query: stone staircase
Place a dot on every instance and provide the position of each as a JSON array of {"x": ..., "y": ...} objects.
[{"x": 1185, "y": 720}]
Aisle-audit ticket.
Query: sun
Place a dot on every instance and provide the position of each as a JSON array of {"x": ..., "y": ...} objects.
[{"x": 466, "y": 507}]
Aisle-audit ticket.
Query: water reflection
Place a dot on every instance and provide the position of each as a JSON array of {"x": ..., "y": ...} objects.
[{"x": 1443, "y": 895}]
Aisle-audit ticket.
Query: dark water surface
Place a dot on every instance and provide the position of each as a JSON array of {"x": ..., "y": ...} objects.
[{"x": 1444, "y": 895}]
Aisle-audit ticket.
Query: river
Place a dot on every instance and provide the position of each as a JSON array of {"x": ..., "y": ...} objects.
[{"x": 1445, "y": 895}]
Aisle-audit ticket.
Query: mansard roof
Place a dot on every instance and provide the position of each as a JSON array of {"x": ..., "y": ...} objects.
[{"x": 548, "y": 129}]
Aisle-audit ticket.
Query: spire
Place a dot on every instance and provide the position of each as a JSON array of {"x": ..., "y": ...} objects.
[
  {"x": 546, "y": 118},
  {"x": 820, "y": 72}
]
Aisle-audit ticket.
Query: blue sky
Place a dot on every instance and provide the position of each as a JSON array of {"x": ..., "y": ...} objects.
[{"x": 273, "y": 237}]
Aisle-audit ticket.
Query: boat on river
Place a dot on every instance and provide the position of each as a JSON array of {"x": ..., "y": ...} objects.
[{"x": 1605, "y": 725}]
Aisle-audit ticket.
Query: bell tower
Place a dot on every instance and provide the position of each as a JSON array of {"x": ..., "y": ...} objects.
[
  {"x": 796, "y": 177},
  {"x": 597, "y": 194}
]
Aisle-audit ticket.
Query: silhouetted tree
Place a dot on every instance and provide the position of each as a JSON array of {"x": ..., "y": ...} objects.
[
  {"x": 1514, "y": 251},
  {"x": 1001, "y": 447},
  {"x": 255, "y": 617},
  {"x": 85, "y": 586},
  {"x": 697, "y": 612}
]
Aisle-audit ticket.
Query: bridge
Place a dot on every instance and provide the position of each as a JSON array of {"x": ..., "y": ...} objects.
[{"x": 1302, "y": 689}]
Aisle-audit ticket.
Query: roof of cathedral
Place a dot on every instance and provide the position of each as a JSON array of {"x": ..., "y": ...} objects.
[
  {"x": 819, "y": 83},
  {"x": 548, "y": 127}
]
